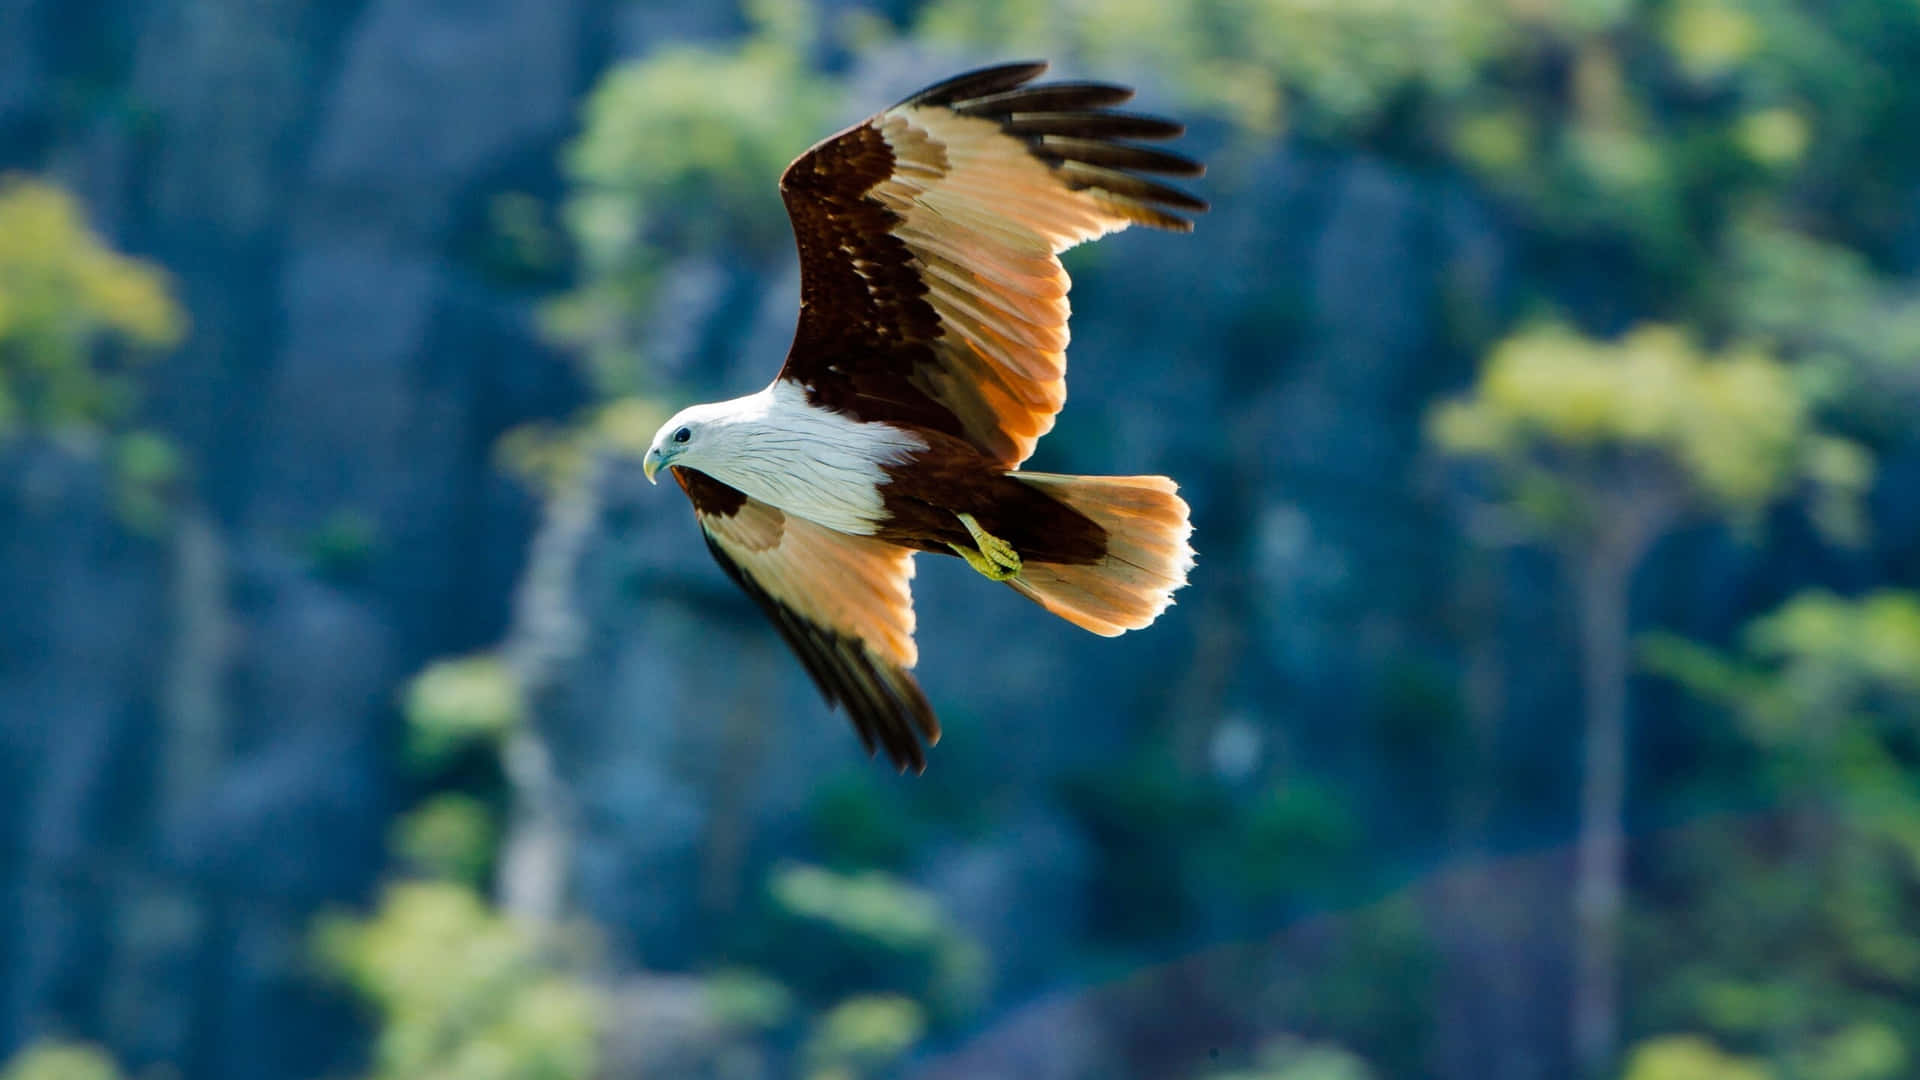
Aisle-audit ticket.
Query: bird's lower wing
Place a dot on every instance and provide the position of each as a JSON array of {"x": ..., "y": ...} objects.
[{"x": 843, "y": 603}]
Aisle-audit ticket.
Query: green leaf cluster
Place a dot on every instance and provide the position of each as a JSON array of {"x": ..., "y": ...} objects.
[
  {"x": 462, "y": 992},
  {"x": 74, "y": 315}
]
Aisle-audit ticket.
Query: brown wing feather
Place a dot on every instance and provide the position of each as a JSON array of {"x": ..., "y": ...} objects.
[
  {"x": 931, "y": 288},
  {"x": 841, "y": 602}
]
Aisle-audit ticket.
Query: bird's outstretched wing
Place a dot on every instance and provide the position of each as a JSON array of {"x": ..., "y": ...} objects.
[
  {"x": 930, "y": 287},
  {"x": 843, "y": 603}
]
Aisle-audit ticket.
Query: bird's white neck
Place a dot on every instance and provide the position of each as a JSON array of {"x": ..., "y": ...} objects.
[{"x": 808, "y": 461}]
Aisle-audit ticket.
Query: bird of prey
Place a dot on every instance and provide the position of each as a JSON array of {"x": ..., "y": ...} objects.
[{"x": 929, "y": 358}]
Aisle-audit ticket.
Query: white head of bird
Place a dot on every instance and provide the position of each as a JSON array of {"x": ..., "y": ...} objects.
[
  {"x": 706, "y": 437},
  {"x": 776, "y": 447}
]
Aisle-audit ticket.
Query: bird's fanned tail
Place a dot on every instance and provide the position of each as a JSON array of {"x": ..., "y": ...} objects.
[{"x": 1146, "y": 561}]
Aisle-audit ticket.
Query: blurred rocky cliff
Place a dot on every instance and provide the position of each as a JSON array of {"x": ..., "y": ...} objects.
[{"x": 202, "y": 742}]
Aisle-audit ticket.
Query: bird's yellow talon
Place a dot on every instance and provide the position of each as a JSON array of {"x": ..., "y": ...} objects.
[{"x": 995, "y": 558}]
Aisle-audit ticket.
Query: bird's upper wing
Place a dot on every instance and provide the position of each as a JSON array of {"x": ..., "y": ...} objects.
[
  {"x": 842, "y": 602},
  {"x": 930, "y": 287}
]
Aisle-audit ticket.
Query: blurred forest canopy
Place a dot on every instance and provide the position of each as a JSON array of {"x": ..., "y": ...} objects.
[{"x": 1706, "y": 347}]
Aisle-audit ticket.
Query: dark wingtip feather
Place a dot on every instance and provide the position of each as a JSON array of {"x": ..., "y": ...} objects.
[
  {"x": 978, "y": 83},
  {"x": 1070, "y": 126},
  {"x": 1127, "y": 186},
  {"x": 1093, "y": 125},
  {"x": 1050, "y": 97},
  {"x": 884, "y": 703},
  {"x": 1115, "y": 155}
]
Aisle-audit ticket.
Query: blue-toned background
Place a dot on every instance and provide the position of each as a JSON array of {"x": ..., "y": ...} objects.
[{"x": 1546, "y": 703}]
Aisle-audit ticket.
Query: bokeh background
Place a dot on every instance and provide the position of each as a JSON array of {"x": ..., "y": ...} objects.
[{"x": 1545, "y": 381}]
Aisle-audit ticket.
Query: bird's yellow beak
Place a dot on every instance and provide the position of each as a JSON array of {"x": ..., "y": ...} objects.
[{"x": 651, "y": 465}]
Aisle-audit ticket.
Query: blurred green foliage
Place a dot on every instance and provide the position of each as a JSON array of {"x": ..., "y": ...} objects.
[
  {"x": 1689, "y": 1057},
  {"x": 1857, "y": 335},
  {"x": 77, "y": 319},
  {"x": 1826, "y": 692},
  {"x": 1654, "y": 129},
  {"x": 451, "y": 836},
  {"x": 455, "y": 704},
  {"x": 688, "y": 127},
  {"x": 1561, "y": 416},
  {"x": 60, "y": 1061},
  {"x": 1264, "y": 63},
  {"x": 863, "y": 1034},
  {"x": 1288, "y": 1058},
  {"x": 743, "y": 998},
  {"x": 462, "y": 992},
  {"x": 831, "y": 934},
  {"x": 147, "y": 469},
  {"x": 552, "y": 457},
  {"x": 74, "y": 315},
  {"x": 871, "y": 905},
  {"x": 1818, "y": 655}
]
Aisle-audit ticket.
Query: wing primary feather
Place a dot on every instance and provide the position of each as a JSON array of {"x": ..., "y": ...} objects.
[
  {"x": 1093, "y": 125},
  {"x": 1050, "y": 97},
  {"x": 1081, "y": 175},
  {"x": 885, "y": 705},
  {"x": 1116, "y": 155},
  {"x": 982, "y": 81}
]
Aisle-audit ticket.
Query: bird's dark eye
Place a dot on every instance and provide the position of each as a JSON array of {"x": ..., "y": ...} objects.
[{"x": 683, "y": 435}]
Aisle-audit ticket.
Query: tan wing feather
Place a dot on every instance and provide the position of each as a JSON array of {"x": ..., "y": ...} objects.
[
  {"x": 843, "y": 603},
  {"x": 852, "y": 585}
]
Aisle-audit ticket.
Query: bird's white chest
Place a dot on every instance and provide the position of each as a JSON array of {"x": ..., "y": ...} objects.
[{"x": 815, "y": 464}]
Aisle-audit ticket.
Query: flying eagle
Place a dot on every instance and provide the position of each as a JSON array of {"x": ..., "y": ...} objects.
[{"x": 929, "y": 359}]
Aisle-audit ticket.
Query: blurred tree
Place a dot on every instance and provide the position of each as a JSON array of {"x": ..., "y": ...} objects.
[
  {"x": 1598, "y": 449},
  {"x": 1827, "y": 691}
]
